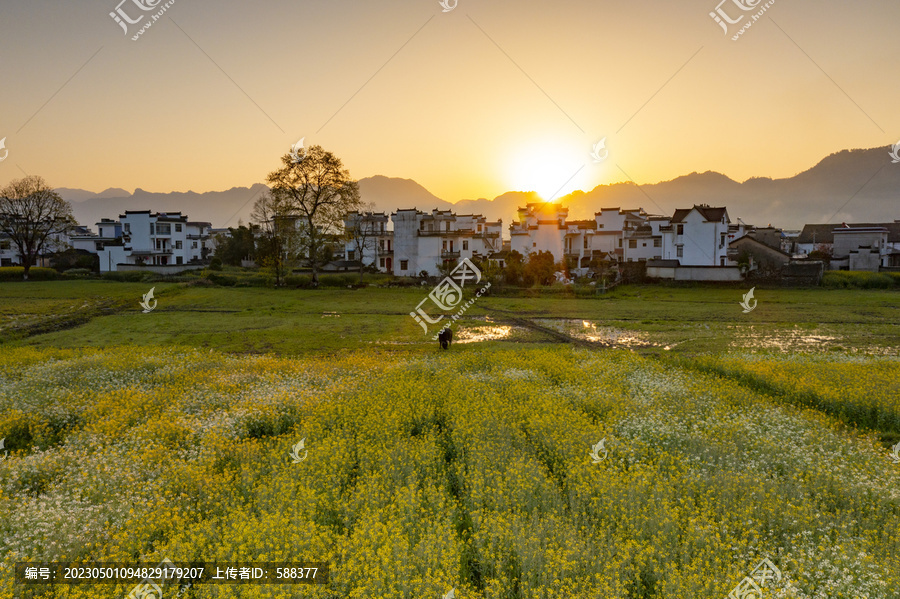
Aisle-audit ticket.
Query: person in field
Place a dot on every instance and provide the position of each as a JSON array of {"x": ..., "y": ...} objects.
[{"x": 445, "y": 338}]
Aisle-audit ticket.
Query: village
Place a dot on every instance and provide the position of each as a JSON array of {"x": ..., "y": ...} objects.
[{"x": 700, "y": 243}]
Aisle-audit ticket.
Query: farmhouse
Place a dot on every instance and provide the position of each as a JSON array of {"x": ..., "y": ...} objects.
[
  {"x": 859, "y": 246},
  {"x": 144, "y": 239},
  {"x": 423, "y": 241}
]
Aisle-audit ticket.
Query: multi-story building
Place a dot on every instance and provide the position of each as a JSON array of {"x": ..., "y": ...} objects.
[
  {"x": 856, "y": 246},
  {"x": 55, "y": 242},
  {"x": 9, "y": 253},
  {"x": 613, "y": 226},
  {"x": 423, "y": 241},
  {"x": 370, "y": 240},
  {"x": 645, "y": 242},
  {"x": 541, "y": 228},
  {"x": 699, "y": 236},
  {"x": 142, "y": 237}
]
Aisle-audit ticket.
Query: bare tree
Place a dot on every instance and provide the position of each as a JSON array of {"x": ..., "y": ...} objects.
[
  {"x": 361, "y": 231},
  {"x": 280, "y": 240},
  {"x": 320, "y": 192},
  {"x": 30, "y": 213}
]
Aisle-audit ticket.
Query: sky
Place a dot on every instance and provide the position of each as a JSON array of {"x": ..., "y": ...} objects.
[{"x": 483, "y": 98}]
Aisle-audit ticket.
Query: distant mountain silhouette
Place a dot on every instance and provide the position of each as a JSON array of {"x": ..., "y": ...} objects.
[
  {"x": 851, "y": 185},
  {"x": 391, "y": 193},
  {"x": 80, "y": 195},
  {"x": 221, "y": 208}
]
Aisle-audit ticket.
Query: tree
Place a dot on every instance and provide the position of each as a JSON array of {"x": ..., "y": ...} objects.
[
  {"x": 361, "y": 233},
  {"x": 490, "y": 270},
  {"x": 280, "y": 240},
  {"x": 822, "y": 252},
  {"x": 446, "y": 267},
  {"x": 30, "y": 213},
  {"x": 514, "y": 269},
  {"x": 320, "y": 192},
  {"x": 540, "y": 269},
  {"x": 240, "y": 244}
]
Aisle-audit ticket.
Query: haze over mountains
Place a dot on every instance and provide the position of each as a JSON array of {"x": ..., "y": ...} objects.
[{"x": 849, "y": 186}]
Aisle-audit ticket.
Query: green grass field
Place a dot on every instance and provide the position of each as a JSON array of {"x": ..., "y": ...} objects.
[{"x": 727, "y": 438}]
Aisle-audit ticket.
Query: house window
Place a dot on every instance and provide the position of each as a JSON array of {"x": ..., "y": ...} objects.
[
  {"x": 585, "y": 242},
  {"x": 479, "y": 228},
  {"x": 163, "y": 229},
  {"x": 447, "y": 226},
  {"x": 465, "y": 245},
  {"x": 194, "y": 245},
  {"x": 657, "y": 243},
  {"x": 178, "y": 227},
  {"x": 381, "y": 244},
  {"x": 679, "y": 251},
  {"x": 644, "y": 244},
  {"x": 5, "y": 244},
  {"x": 681, "y": 229},
  {"x": 404, "y": 264},
  {"x": 381, "y": 262},
  {"x": 534, "y": 244},
  {"x": 632, "y": 243},
  {"x": 127, "y": 227},
  {"x": 422, "y": 225},
  {"x": 445, "y": 245},
  {"x": 151, "y": 229},
  {"x": 722, "y": 240},
  {"x": 599, "y": 225},
  {"x": 177, "y": 245},
  {"x": 178, "y": 260},
  {"x": 620, "y": 242}
]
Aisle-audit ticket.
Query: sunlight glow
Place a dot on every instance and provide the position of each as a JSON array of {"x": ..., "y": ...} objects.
[{"x": 550, "y": 168}]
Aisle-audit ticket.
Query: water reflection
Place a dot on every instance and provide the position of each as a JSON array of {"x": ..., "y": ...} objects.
[
  {"x": 482, "y": 333},
  {"x": 589, "y": 330}
]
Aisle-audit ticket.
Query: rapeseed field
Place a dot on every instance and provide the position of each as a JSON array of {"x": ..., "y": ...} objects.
[{"x": 466, "y": 470}]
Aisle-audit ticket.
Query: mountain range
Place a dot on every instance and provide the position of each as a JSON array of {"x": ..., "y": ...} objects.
[{"x": 848, "y": 186}]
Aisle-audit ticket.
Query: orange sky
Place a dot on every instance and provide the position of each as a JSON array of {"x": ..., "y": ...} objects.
[{"x": 486, "y": 98}]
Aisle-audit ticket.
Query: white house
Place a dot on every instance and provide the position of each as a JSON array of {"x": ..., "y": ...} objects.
[
  {"x": 56, "y": 242},
  {"x": 699, "y": 236},
  {"x": 369, "y": 234},
  {"x": 613, "y": 226},
  {"x": 422, "y": 241},
  {"x": 541, "y": 228},
  {"x": 9, "y": 253},
  {"x": 145, "y": 238},
  {"x": 645, "y": 242},
  {"x": 855, "y": 246}
]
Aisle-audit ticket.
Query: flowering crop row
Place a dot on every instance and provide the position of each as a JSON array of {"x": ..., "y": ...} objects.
[
  {"x": 466, "y": 470},
  {"x": 863, "y": 390}
]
